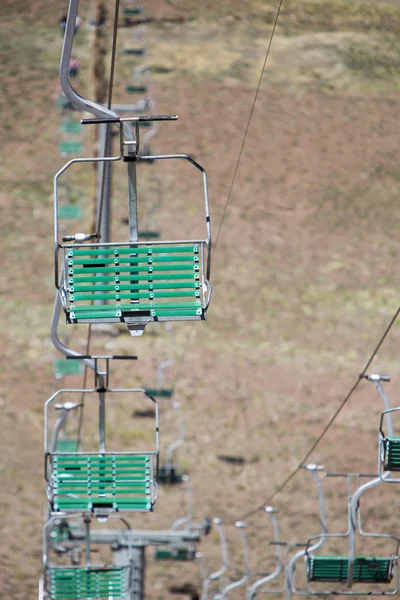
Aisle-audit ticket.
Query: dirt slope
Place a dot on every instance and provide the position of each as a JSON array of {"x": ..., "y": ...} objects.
[{"x": 304, "y": 272}]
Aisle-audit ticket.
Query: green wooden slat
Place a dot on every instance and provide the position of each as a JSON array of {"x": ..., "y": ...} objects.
[
  {"x": 156, "y": 249},
  {"x": 138, "y": 269},
  {"x": 146, "y": 279},
  {"x": 134, "y": 296},
  {"x": 126, "y": 288},
  {"x": 69, "y": 211}
]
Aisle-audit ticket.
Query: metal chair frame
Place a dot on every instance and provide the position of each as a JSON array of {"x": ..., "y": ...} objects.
[
  {"x": 254, "y": 589},
  {"x": 50, "y": 443},
  {"x": 354, "y": 527}
]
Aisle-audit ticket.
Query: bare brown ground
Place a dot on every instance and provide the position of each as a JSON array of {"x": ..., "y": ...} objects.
[{"x": 304, "y": 274}]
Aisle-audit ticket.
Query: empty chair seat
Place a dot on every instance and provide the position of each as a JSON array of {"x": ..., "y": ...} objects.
[
  {"x": 160, "y": 392},
  {"x": 135, "y": 284},
  {"x": 101, "y": 483},
  {"x": 137, "y": 89},
  {"x": 62, "y": 367},
  {"x": 367, "y": 569},
  {"x": 69, "y": 211},
  {"x": 86, "y": 583},
  {"x": 67, "y": 147},
  {"x": 391, "y": 454},
  {"x": 175, "y": 553},
  {"x": 65, "y": 445},
  {"x": 149, "y": 234},
  {"x": 132, "y": 12},
  {"x": 135, "y": 51},
  {"x": 169, "y": 475}
]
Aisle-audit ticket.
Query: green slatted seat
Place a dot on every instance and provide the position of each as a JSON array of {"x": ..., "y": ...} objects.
[
  {"x": 69, "y": 211},
  {"x": 69, "y": 126},
  {"x": 169, "y": 475},
  {"x": 160, "y": 392},
  {"x": 147, "y": 282},
  {"x": 175, "y": 553},
  {"x": 86, "y": 583},
  {"x": 149, "y": 234},
  {"x": 367, "y": 569},
  {"x": 391, "y": 460},
  {"x": 132, "y": 12},
  {"x": 62, "y": 367},
  {"x": 66, "y": 445},
  {"x": 96, "y": 483},
  {"x": 67, "y": 147},
  {"x": 135, "y": 51},
  {"x": 137, "y": 89}
]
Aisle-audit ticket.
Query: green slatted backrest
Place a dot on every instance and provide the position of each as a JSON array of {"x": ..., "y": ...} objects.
[
  {"x": 336, "y": 568},
  {"x": 160, "y": 392},
  {"x": 135, "y": 51},
  {"x": 178, "y": 553},
  {"x": 86, "y": 583},
  {"x": 66, "y": 445},
  {"x": 69, "y": 211},
  {"x": 392, "y": 454},
  {"x": 62, "y": 366},
  {"x": 136, "y": 89},
  {"x": 132, "y": 11},
  {"x": 154, "y": 280},
  {"x": 117, "y": 482}
]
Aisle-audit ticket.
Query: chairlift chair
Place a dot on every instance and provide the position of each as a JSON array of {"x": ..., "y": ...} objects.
[
  {"x": 135, "y": 282},
  {"x": 130, "y": 281},
  {"x": 216, "y": 576},
  {"x": 100, "y": 482},
  {"x": 389, "y": 450},
  {"x": 76, "y": 581},
  {"x": 241, "y": 527},
  {"x": 169, "y": 472},
  {"x": 182, "y": 552},
  {"x": 259, "y": 586},
  {"x": 352, "y": 570}
]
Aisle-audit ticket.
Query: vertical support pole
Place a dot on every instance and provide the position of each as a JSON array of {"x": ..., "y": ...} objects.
[
  {"x": 99, "y": 67},
  {"x": 102, "y": 421},
  {"x": 87, "y": 540},
  {"x": 132, "y": 202},
  {"x": 134, "y": 558}
]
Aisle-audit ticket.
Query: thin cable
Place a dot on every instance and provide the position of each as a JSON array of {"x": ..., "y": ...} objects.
[
  {"x": 183, "y": 357},
  {"x": 113, "y": 54},
  {"x": 248, "y": 125},
  {"x": 330, "y": 422}
]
